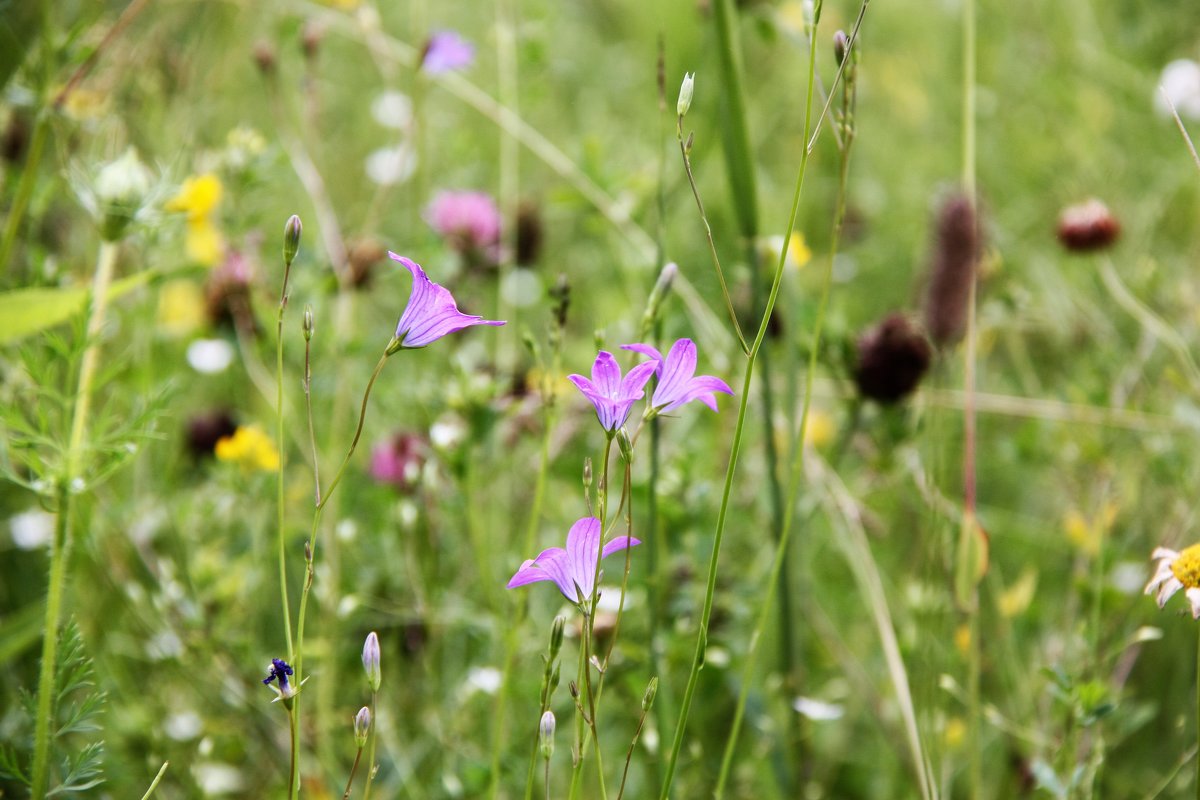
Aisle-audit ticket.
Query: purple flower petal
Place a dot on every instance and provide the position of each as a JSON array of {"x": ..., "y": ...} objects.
[
  {"x": 573, "y": 570},
  {"x": 431, "y": 312},
  {"x": 611, "y": 395},
  {"x": 677, "y": 380},
  {"x": 446, "y": 52}
]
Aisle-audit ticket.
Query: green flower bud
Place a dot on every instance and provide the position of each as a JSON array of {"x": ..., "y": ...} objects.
[
  {"x": 546, "y": 734},
  {"x": 121, "y": 187},
  {"x": 370, "y": 659},
  {"x": 362, "y": 726},
  {"x": 291, "y": 239},
  {"x": 686, "y": 89}
]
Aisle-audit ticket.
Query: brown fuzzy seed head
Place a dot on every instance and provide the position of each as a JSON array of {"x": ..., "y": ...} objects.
[
  {"x": 264, "y": 57},
  {"x": 206, "y": 429},
  {"x": 1087, "y": 227},
  {"x": 892, "y": 358},
  {"x": 529, "y": 233},
  {"x": 364, "y": 254},
  {"x": 955, "y": 259}
]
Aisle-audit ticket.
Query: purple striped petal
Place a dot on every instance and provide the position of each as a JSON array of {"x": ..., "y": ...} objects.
[{"x": 431, "y": 312}]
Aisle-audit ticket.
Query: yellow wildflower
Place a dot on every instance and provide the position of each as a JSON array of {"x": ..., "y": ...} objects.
[
  {"x": 962, "y": 639},
  {"x": 204, "y": 243},
  {"x": 955, "y": 733},
  {"x": 181, "y": 308},
  {"x": 798, "y": 253},
  {"x": 820, "y": 429},
  {"x": 250, "y": 448},
  {"x": 198, "y": 198},
  {"x": 1015, "y": 599},
  {"x": 1087, "y": 534}
]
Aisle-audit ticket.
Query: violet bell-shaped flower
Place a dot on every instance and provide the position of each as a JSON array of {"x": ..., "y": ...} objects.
[
  {"x": 431, "y": 312},
  {"x": 612, "y": 395},
  {"x": 573, "y": 570},
  {"x": 678, "y": 382}
]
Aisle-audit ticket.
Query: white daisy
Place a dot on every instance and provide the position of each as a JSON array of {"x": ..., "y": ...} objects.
[{"x": 1176, "y": 570}]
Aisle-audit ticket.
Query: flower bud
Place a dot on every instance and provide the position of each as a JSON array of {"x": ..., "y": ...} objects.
[
  {"x": 308, "y": 322},
  {"x": 686, "y": 89},
  {"x": 839, "y": 46},
  {"x": 556, "y": 634},
  {"x": 370, "y": 659},
  {"x": 291, "y": 238},
  {"x": 121, "y": 187},
  {"x": 648, "y": 697},
  {"x": 362, "y": 726},
  {"x": 546, "y": 734}
]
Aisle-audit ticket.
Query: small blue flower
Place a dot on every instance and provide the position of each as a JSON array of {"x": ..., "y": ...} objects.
[{"x": 280, "y": 670}]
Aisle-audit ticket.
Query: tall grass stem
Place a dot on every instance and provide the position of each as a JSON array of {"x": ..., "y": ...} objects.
[{"x": 61, "y": 544}]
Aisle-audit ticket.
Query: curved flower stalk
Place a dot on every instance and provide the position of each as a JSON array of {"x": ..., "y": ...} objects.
[
  {"x": 573, "y": 570},
  {"x": 612, "y": 395},
  {"x": 431, "y": 312},
  {"x": 678, "y": 382}
]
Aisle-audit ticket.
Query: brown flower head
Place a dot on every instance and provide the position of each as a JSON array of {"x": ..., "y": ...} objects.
[
  {"x": 955, "y": 259},
  {"x": 1087, "y": 227},
  {"x": 892, "y": 358}
]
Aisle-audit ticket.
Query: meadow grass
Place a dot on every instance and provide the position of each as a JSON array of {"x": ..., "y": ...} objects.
[{"x": 933, "y": 592}]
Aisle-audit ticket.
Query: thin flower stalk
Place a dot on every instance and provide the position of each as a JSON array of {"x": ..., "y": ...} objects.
[
  {"x": 372, "y": 768},
  {"x": 684, "y": 150},
  {"x": 61, "y": 543},
  {"x": 812, "y": 129},
  {"x": 798, "y": 447},
  {"x": 279, "y": 515}
]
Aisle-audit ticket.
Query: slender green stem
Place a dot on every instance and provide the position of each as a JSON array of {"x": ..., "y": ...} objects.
[
  {"x": 294, "y": 750},
  {"x": 353, "y": 771},
  {"x": 157, "y": 779},
  {"x": 310, "y": 549},
  {"x": 706, "y": 614},
  {"x": 371, "y": 766},
  {"x": 629, "y": 753},
  {"x": 312, "y": 432},
  {"x": 61, "y": 545},
  {"x": 712, "y": 247},
  {"x": 778, "y": 575},
  {"x": 46, "y": 689},
  {"x": 1198, "y": 716},
  {"x": 591, "y": 695},
  {"x": 29, "y": 175},
  {"x": 293, "y": 713},
  {"x": 970, "y": 527},
  {"x": 362, "y": 416},
  {"x": 577, "y": 762}
]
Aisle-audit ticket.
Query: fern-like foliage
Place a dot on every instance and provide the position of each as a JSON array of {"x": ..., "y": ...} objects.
[{"x": 78, "y": 705}]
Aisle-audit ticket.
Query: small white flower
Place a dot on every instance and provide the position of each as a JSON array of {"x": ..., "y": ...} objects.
[
  {"x": 388, "y": 166},
  {"x": 32, "y": 529},
  {"x": 817, "y": 710},
  {"x": 210, "y": 356},
  {"x": 392, "y": 109},
  {"x": 1180, "y": 80},
  {"x": 1176, "y": 570}
]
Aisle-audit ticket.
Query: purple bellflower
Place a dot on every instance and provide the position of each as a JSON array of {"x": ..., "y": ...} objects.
[
  {"x": 573, "y": 570},
  {"x": 678, "y": 382},
  {"x": 609, "y": 393},
  {"x": 431, "y": 312},
  {"x": 279, "y": 671},
  {"x": 446, "y": 51}
]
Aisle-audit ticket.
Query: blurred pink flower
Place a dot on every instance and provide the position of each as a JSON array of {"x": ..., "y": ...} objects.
[
  {"x": 468, "y": 221},
  {"x": 398, "y": 460},
  {"x": 446, "y": 51}
]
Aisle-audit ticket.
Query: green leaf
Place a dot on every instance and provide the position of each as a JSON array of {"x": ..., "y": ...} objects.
[
  {"x": 20, "y": 24},
  {"x": 971, "y": 561},
  {"x": 29, "y": 311}
]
